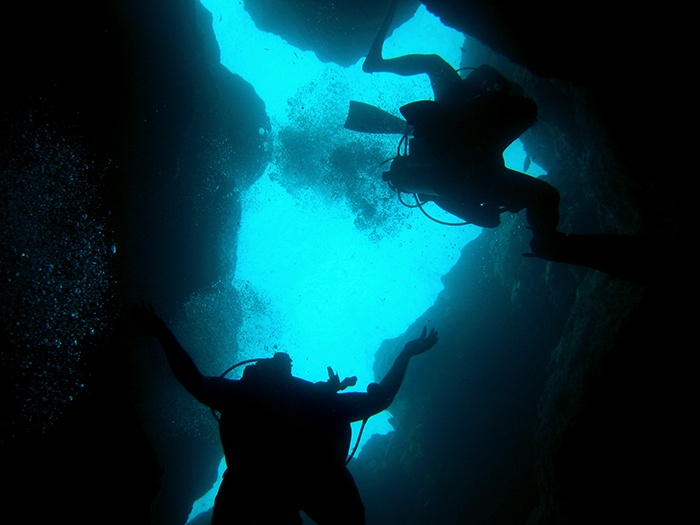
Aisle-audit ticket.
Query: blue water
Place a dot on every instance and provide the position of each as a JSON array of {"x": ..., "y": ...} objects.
[{"x": 314, "y": 277}]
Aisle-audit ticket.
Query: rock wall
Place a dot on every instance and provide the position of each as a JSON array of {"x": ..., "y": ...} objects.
[
  {"x": 558, "y": 393},
  {"x": 551, "y": 399},
  {"x": 124, "y": 141}
]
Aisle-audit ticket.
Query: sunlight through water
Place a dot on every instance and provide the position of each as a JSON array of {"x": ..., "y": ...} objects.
[{"x": 324, "y": 275}]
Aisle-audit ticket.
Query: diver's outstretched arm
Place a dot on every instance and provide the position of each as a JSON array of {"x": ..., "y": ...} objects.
[
  {"x": 389, "y": 386},
  {"x": 358, "y": 406},
  {"x": 437, "y": 69},
  {"x": 379, "y": 396},
  {"x": 181, "y": 363}
]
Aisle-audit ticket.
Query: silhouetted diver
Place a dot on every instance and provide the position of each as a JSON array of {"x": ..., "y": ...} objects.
[
  {"x": 285, "y": 439},
  {"x": 455, "y": 155},
  {"x": 455, "y": 158}
]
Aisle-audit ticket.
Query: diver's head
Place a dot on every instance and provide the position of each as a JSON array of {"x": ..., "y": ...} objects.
[
  {"x": 271, "y": 369},
  {"x": 282, "y": 363}
]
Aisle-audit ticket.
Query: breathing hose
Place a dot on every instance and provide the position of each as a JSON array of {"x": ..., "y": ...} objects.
[
  {"x": 419, "y": 204},
  {"x": 228, "y": 371},
  {"x": 254, "y": 360},
  {"x": 403, "y": 143}
]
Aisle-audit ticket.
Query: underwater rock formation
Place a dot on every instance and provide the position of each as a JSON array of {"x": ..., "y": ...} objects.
[
  {"x": 603, "y": 432},
  {"x": 124, "y": 141},
  {"x": 335, "y": 31},
  {"x": 608, "y": 135},
  {"x": 585, "y": 410}
]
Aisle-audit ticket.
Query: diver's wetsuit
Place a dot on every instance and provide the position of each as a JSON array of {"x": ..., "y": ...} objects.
[
  {"x": 462, "y": 137},
  {"x": 285, "y": 439},
  {"x": 465, "y": 131},
  {"x": 285, "y": 446}
]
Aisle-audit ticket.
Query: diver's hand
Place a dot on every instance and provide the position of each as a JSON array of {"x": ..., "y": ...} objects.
[
  {"x": 348, "y": 381},
  {"x": 147, "y": 320},
  {"x": 422, "y": 343},
  {"x": 336, "y": 384}
]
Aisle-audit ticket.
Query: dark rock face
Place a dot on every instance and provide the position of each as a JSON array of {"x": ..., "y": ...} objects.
[
  {"x": 557, "y": 395},
  {"x": 124, "y": 141},
  {"x": 339, "y": 32},
  {"x": 603, "y": 431}
]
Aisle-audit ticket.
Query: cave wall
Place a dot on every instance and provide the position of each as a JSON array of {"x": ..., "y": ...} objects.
[
  {"x": 603, "y": 403},
  {"x": 337, "y": 32},
  {"x": 584, "y": 417},
  {"x": 129, "y": 98},
  {"x": 602, "y": 434},
  {"x": 463, "y": 447}
]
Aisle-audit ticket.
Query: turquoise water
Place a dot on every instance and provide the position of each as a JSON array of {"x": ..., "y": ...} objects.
[{"x": 317, "y": 275}]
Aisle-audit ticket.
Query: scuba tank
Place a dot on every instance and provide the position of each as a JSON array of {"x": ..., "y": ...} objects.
[
  {"x": 269, "y": 369},
  {"x": 412, "y": 172}
]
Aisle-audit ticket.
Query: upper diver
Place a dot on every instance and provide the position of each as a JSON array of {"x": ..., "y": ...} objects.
[
  {"x": 285, "y": 440},
  {"x": 456, "y": 153},
  {"x": 456, "y": 160}
]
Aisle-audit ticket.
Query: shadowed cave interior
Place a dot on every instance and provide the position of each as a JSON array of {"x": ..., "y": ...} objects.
[{"x": 558, "y": 393}]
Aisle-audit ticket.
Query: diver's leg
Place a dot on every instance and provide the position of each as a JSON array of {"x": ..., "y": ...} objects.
[
  {"x": 335, "y": 500},
  {"x": 374, "y": 58},
  {"x": 470, "y": 211},
  {"x": 514, "y": 191},
  {"x": 437, "y": 69},
  {"x": 231, "y": 504},
  {"x": 543, "y": 208},
  {"x": 242, "y": 500}
]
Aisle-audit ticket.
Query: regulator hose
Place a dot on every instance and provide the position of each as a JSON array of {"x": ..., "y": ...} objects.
[
  {"x": 420, "y": 204},
  {"x": 228, "y": 371}
]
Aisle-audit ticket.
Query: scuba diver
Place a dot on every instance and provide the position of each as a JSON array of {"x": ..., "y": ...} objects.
[
  {"x": 285, "y": 439},
  {"x": 455, "y": 154}
]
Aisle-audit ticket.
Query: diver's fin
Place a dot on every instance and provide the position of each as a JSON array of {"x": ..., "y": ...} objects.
[
  {"x": 637, "y": 259},
  {"x": 370, "y": 119}
]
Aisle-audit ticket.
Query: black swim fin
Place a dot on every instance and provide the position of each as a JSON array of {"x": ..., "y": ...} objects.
[{"x": 370, "y": 119}]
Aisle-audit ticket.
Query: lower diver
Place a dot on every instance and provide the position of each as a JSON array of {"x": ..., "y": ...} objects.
[{"x": 285, "y": 440}]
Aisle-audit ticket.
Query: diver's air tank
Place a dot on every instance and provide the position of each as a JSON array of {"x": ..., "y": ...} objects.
[{"x": 414, "y": 172}]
